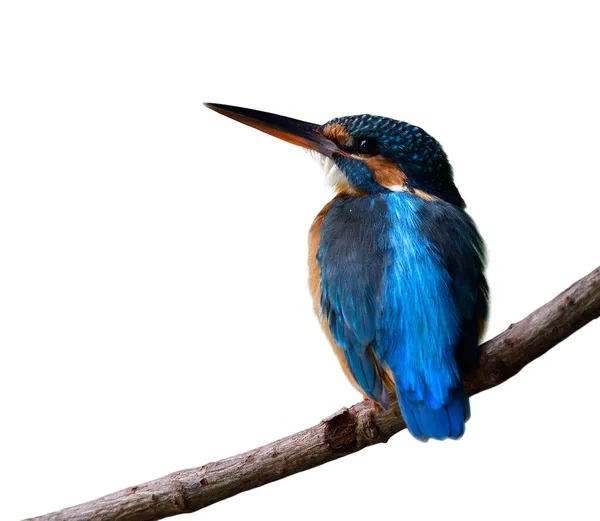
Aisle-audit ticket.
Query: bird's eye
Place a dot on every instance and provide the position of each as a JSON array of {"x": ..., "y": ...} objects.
[
  {"x": 366, "y": 146},
  {"x": 359, "y": 145}
]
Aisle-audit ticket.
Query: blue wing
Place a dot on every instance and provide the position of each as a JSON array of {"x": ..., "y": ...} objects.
[
  {"x": 456, "y": 240},
  {"x": 351, "y": 265}
]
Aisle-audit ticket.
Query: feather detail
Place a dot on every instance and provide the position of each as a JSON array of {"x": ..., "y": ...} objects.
[{"x": 333, "y": 175}]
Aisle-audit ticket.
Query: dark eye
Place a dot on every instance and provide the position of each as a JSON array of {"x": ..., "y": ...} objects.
[{"x": 366, "y": 146}]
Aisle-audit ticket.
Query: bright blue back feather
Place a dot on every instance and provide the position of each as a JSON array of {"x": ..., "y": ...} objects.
[{"x": 418, "y": 323}]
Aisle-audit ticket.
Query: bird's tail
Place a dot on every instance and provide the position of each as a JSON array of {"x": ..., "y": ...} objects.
[{"x": 424, "y": 421}]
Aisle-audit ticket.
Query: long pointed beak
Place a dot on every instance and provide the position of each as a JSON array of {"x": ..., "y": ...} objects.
[{"x": 293, "y": 131}]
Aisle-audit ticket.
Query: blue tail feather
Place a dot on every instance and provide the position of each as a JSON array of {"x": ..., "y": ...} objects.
[{"x": 424, "y": 421}]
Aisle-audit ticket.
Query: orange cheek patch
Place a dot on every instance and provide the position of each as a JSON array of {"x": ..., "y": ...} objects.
[{"x": 386, "y": 173}]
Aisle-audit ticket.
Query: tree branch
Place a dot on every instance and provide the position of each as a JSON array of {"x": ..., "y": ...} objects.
[{"x": 345, "y": 432}]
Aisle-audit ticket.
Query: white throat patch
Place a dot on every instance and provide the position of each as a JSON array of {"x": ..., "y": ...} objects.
[{"x": 333, "y": 175}]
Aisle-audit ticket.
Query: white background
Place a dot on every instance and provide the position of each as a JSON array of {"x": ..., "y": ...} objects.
[{"x": 154, "y": 311}]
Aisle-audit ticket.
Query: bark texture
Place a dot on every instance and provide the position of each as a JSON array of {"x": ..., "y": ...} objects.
[{"x": 345, "y": 432}]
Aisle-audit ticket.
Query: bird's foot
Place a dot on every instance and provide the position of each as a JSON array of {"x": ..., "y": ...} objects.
[{"x": 375, "y": 404}]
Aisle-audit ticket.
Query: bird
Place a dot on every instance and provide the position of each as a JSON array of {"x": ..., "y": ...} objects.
[{"x": 396, "y": 265}]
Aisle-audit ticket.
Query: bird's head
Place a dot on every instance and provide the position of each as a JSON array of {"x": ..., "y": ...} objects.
[{"x": 364, "y": 154}]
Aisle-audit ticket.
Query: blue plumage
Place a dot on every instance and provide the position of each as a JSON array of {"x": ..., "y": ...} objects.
[{"x": 391, "y": 283}]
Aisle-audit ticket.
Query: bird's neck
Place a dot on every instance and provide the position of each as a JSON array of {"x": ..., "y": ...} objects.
[{"x": 344, "y": 188}]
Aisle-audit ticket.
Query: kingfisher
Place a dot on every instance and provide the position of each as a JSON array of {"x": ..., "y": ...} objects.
[{"x": 396, "y": 265}]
